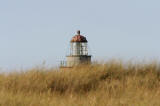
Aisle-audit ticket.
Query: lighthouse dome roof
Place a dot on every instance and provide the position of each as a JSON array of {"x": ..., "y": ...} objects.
[{"x": 78, "y": 38}]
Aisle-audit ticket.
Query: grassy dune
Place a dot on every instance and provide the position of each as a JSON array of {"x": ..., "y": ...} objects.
[{"x": 109, "y": 84}]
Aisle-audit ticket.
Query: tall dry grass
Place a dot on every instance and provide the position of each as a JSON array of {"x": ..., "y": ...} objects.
[{"x": 110, "y": 84}]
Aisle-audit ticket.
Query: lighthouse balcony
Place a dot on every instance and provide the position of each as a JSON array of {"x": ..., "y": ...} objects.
[{"x": 63, "y": 64}]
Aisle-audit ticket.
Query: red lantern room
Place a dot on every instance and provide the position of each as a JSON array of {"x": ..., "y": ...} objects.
[{"x": 78, "y": 45}]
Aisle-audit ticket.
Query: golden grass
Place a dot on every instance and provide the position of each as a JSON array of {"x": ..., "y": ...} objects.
[{"x": 109, "y": 84}]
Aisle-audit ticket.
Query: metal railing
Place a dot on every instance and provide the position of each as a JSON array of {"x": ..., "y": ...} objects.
[{"x": 63, "y": 63}]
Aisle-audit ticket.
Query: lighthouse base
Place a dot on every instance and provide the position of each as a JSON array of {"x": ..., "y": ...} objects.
[{"x": 75, "y": 60}]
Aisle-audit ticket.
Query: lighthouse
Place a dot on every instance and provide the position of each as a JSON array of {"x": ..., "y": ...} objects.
[{"x": 78, "y": 52}]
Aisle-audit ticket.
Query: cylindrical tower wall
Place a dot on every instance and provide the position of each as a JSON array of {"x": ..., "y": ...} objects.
[{"x": 76, "y": 60}]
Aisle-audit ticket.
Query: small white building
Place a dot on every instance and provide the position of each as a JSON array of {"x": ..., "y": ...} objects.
[{"x": 78, "y": 52}]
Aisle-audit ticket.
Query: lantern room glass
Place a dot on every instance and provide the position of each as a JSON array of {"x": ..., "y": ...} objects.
[{"x": 78, "y": 48}]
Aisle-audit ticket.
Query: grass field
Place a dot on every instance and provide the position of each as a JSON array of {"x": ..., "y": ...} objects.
[{"x": 102, "y": 84}]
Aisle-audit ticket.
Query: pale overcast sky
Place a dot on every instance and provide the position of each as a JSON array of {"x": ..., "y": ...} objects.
[{"x": 32, "y": 31}]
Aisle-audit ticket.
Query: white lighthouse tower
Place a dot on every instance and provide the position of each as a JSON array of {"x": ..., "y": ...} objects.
[{"x": 78, "y": 52}]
